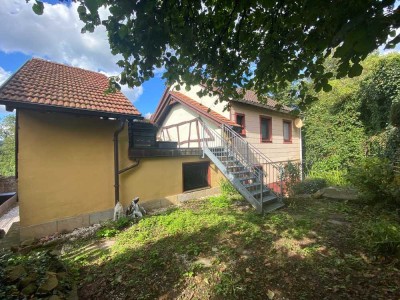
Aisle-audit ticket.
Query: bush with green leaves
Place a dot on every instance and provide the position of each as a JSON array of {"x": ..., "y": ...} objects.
[
  {"x": 7, "y": 146},
  {"x": 395, "y": 114},
  {"x": 111, "y": 228},
  {"x": 308, "y": 186},
  {"x": 381, "y": 235},
  {"x": 227, "y": 189},
  {"x": 376, "y": 182},
  {"x": 332, "y": 177},
  {"x": 352, "y": 120},
  {"x": 106, "y": 232},
  {"x": 291, "y": 175}
]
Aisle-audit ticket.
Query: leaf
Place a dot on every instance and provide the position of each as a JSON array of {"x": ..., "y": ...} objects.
[
  {"x": 38, "y": 7},
  {"x": 327, "y": 87},
  {"x": 92, "y": 5},
  {"x": 355, "y": 70},
  {"x": 81, "y": 9},
  {"x": 123, "y": 31},
  {"x": 270, "y": 294}
]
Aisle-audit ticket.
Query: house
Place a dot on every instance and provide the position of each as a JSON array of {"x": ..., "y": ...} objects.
[
  {"x": 271, "y": 130},
  {"x": 260, "y": 135},
  {"x": 80, "y": 150}
]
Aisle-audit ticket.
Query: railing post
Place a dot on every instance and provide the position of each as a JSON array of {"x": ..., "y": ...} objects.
[
  {"x": 281, "y": 171},
  {"x": 203, "y": 140},
  {"x": 262, "y": 188}
]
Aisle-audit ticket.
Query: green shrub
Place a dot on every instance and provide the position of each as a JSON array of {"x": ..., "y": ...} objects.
[
  {"x": 291, "y": 175},
  {"x": 332, "y": 177},
  {"x": 308, "y": 186},
  {"x": 111, "y": 228},
  {"x": 395, "y": 114},
  {"x": 381, "y": 236},
  {"x": 106, "y": 232},
  {"x": 375, "y": 180},
  {"x": 122, "y": 223},
  {"x": 227, "y": 189}
]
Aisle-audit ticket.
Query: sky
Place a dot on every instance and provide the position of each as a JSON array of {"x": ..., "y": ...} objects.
[{"x": 56, "y": 36}]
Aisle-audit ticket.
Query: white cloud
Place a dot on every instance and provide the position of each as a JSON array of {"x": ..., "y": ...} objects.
[
  {"x": 3, "y": 75},
  {"x": 132, "y": 94},
  {"x": 56, "y": 35},
  {"x": 147, "y": 115}
]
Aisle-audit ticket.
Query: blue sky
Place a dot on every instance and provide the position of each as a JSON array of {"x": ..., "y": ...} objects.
[{"x": 56, "y": 36}]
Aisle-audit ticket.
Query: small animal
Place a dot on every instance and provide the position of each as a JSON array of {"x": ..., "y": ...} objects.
[
  {"x": 135, "y": 210},
  {"x": 118, "y": 211}
]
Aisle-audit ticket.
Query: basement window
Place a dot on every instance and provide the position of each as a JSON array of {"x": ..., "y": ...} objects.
[{"x": 196, "y": 175}]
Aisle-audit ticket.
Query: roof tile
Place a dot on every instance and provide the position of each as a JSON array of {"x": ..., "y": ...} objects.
[
  {"x": 250, "y": 97},
  {"x": 202, "y": 109},
  {"x": 56, "y": 85}
]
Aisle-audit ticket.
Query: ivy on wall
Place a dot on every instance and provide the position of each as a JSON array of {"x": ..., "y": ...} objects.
[{"x": 353, "y": 120}]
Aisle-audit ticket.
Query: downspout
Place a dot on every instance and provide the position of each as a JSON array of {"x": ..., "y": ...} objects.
[
  {"x": 116, "y": 160},
  {"x": 301, "y": 155},
  {"x": 117, "y": 171},
  {"x": 16, "y": 143}
]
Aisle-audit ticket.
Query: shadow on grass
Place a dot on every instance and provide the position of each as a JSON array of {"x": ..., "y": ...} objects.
[{"x": 226, "y": 253}]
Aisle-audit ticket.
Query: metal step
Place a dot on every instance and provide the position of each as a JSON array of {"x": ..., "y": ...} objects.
[
  {"x": 234, "y": 167},
  {"x": 266, "y": 191},
  {"x": 269, "y": 198},
  {"x": 241, "y": 172},
  {"x": 252, "y": 178},
  {"x": 271, "y": 206},
  {"x": 232, "y": 163},
  {"x": 251, "y": 185}
]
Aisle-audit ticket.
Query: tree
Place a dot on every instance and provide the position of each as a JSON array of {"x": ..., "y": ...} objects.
[
  {"x": 7, "y": 148},
  {"x": 378, "y": 92},
  {"x": 254, "y": 44},
  {"x": 351, "y": 121}
]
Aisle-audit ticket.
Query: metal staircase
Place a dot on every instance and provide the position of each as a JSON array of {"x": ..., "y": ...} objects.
[{"x": 255, "y": 176}]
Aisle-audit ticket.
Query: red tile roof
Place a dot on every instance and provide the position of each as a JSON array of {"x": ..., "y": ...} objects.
[
  {"x": 42, "y": 84},
  {"x": 250, "y": 97},
  {"x": 200, "y": 108}
]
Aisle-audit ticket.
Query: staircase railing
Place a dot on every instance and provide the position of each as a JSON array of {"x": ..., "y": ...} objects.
[
  {"x": 272, "y": 172},
  {"x": 262, "y": 167}
]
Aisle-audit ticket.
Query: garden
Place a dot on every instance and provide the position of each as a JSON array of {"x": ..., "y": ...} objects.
[{"x": 219, "y": 248}]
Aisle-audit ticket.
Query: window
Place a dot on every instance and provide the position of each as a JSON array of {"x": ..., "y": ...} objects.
[
  {"x": 240, "y": 119},
  {"x": 266, "y": 129},
  {"x": 195, "y": 175},
  {"x": 287, "y": 131}
]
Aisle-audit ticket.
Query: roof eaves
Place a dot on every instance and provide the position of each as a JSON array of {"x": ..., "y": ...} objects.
[
  {"x": 262, "y": 105},
  {"x": 3, "y": 85},
  {"x": 207, "y": 115},
  {"x": 62, "y": 109},
  {"x": 154, "y": 118}
]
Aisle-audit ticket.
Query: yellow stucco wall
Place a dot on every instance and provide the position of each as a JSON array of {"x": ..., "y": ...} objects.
[{"x": 66, "y": 168}]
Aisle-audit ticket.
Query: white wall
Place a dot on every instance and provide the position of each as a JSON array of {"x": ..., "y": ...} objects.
[
  {"x": 205, "y": 100},
  {"x": 188, "y": 133}
]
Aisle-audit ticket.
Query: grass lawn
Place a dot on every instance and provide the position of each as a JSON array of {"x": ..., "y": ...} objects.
[{"x": 217, "y": 249}]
